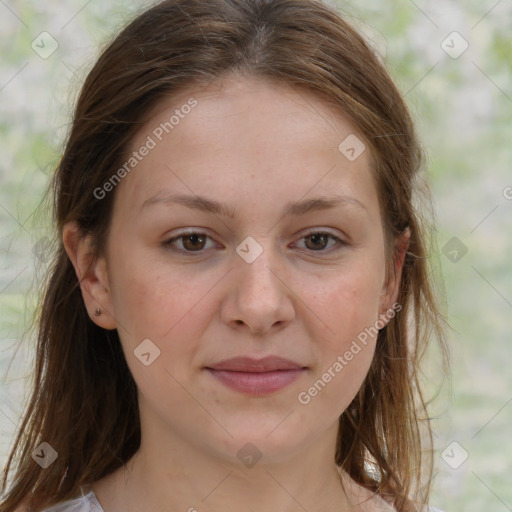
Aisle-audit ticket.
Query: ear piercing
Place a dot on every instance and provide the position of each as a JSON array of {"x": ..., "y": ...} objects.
[{"x": 97, "y": 312}]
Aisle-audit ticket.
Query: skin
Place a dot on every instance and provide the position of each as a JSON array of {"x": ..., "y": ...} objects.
[{"x": 255, "y": 146}]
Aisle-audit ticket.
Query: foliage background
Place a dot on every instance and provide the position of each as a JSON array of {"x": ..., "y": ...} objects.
[{"x": 463, "y": 107}]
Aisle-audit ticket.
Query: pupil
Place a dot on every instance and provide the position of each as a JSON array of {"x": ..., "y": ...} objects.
[
  {"x": 193, "y": 239},
  {"x": 316, "y": 238}
]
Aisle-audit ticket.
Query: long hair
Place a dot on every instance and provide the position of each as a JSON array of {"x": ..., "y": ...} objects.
[{"x": 84, "y": 399}]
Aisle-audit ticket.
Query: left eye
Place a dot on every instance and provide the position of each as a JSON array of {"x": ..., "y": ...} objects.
[
  {"x": 319, "y": 241},
  {"x": 194, "y": 242}
]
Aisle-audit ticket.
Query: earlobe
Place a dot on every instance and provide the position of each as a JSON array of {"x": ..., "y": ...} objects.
[{"x": 92, "y": 275}]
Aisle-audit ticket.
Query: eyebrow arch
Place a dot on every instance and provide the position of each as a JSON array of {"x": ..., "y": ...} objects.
[{"x": 210, "y": 206}]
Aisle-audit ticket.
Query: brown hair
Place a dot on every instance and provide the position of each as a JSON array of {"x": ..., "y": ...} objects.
[{"x": 84, "y": 401}]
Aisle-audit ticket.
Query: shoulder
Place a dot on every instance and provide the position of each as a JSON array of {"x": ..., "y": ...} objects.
[
  {"x": 87, "y": 502},
  {"x": 364, "y": 500},
  {"x": 385, "y": 507}
]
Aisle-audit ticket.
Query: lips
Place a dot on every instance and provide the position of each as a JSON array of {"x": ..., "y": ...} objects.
[
  {"x": 247, "y": 364},
  {"x": 256, "y": 376}
]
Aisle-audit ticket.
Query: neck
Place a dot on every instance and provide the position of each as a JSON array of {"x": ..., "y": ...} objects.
[
  {"x": 188, "y": 479},
  {"x": 174, "y": 471},
  {"x": 216, "y": 488}
]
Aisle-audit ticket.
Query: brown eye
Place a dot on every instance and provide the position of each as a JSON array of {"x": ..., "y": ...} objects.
[
  {"x": 193, "y": 242},
  {"x": 318, "y": 241}
]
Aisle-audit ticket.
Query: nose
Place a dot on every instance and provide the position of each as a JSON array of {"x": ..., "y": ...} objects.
[{"x": 259, "y": 298}]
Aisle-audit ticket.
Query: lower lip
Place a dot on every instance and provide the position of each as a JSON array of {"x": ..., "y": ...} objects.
[{"x": 254, "y": 383}]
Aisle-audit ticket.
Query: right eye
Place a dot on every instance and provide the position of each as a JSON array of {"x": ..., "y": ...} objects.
[{"x": 191, "y": 242}]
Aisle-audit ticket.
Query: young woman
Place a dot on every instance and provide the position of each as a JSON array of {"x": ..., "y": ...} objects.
[{"x": 236, "y": 313}]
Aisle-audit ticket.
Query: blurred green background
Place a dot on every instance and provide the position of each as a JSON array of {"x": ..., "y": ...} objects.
[{"x": 453, "y": 62}]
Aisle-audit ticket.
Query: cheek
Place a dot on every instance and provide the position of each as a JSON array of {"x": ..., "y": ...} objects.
[
  {"x": 147, "y": 301},
  {"x": 345, "y": 336},
  {"x": 166, "y": 307},
  {"x": 158, "y": 306},
  {"x": 345, "y": 302}
]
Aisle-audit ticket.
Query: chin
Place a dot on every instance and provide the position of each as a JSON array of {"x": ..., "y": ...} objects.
[{"x": 263, "y": 444}]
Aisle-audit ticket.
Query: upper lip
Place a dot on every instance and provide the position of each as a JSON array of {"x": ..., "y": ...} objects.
[{"x": 248, "y": 364}]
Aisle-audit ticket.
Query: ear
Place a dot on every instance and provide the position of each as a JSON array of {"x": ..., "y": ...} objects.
[
  {"x": 391, "y": 286},
  {"x": 92, "y": 275}
]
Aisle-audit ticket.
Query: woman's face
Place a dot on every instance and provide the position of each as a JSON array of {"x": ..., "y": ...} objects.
[{"x": 273, "y": 269}]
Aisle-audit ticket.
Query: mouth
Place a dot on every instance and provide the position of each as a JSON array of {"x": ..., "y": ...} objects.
[{"x": 256, "y": 377}]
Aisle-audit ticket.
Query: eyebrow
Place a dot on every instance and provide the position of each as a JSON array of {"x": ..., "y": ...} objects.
[{"x": 205, "y": 204}]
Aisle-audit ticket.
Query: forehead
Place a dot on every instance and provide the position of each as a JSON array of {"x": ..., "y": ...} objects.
[
  {"x": 258, "y": 101},
  {"x": 248, "y": 136}
]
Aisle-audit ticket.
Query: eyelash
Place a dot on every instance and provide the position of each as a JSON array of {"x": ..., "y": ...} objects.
[{"x": 167, "y": 244}]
